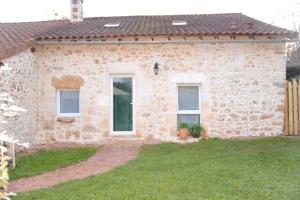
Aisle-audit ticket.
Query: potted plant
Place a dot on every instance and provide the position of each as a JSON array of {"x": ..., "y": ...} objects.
[
  {"x": 196, "y": 130},
  {"x": 183, "y": 132}
]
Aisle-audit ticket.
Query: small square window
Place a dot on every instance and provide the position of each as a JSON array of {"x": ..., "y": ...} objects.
[{"x": 68, "y": 103}]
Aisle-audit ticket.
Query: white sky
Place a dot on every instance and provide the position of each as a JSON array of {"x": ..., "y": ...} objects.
[{"x": 271, "y": 11}]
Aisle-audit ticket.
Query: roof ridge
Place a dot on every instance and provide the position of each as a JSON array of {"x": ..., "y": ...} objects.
[
  {"x": 101, "y": 17},
  {"x": 162, "y": 15}
]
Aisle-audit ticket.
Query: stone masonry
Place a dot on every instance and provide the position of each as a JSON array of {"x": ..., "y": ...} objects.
[
  {"x": 22, "y": 85},
  {"x": 242, "y": 88}
]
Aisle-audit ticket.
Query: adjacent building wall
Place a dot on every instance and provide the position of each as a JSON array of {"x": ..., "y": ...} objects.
[
  {"x": 22, "y": 84},
  {"x": 242, "y": 87}
]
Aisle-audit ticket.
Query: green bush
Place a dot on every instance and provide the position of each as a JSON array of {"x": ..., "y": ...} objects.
[
  {"x": 293, "y": 72},
  {"x": 196, "y": 130}
]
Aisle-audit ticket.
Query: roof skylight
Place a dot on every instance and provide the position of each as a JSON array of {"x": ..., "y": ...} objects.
[
  {"x": 112, "y": 25},
  {"x": 179, "y": 23}
]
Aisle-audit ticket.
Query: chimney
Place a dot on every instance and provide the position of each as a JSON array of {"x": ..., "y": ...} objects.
[{"x": 76, "y": 11}]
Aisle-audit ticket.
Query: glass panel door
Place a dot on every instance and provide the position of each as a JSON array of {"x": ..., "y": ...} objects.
[{"x": 122, "y": 104}]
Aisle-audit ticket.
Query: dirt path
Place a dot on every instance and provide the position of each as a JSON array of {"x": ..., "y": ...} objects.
[{"x": 109, "y": 157}]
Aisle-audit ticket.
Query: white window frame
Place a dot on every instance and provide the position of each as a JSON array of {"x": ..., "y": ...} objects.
[
  {"x": 58, "y": 104},
  {"x": 190, "y": 112}
]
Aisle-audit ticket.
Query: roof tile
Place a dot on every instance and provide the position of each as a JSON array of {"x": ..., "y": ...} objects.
[{"x": 13, "y": 34}]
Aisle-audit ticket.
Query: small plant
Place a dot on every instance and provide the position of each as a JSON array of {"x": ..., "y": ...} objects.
[
  {"x": 184, "y": 126},
  {"x": 183, "y": 132},
  {"x": 196, "y": 130}
]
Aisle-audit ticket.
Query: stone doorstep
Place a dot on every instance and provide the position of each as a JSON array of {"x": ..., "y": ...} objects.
[{"x": 120, "y": 139}]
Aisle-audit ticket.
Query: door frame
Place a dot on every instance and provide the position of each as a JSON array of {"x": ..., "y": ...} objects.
[{"x": 111, "y": 105}]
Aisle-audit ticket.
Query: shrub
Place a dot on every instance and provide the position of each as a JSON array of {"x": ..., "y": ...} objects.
[{"x": 196, "y": 130}]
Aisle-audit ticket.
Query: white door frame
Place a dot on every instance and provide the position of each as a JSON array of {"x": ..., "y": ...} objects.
[{"x": 111, "y": 128}]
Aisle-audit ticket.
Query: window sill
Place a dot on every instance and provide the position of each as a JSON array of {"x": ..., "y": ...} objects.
[
  {"x": 188, "y": 112},
  {"x": 66, "y": 119},
  {"x": 68, "y": 115}
]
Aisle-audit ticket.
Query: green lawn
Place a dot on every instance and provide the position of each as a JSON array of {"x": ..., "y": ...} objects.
[
  {"x": 43, "y": 161},
  {"x": 212, "y": 169}
]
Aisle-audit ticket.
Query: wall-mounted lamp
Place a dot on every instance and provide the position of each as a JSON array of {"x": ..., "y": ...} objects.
[
  {"x": 156, "y": 68},
  {"x": 32, "y": 49}
]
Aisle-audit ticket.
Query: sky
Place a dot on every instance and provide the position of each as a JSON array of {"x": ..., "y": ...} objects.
[{"x": 277, "y": 12}]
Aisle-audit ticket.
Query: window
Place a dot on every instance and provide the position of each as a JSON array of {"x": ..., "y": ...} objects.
[
  {"x": 68, "y": 103},
  {"x": 112, "y": 25},
  {"x": 189, "y": 104},
  {"x": 179, "y": 23}
]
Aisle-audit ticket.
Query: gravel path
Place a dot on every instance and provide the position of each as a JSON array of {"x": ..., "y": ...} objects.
[{"x": 106, "y": 159}]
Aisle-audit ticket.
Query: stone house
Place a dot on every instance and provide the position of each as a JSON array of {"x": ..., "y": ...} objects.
[{"x": 89, "y": 79}]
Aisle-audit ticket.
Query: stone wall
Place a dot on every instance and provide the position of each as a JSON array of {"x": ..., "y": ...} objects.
[
  {"x": 242, "y": 87},
  {"x": 22, "y": 84}
]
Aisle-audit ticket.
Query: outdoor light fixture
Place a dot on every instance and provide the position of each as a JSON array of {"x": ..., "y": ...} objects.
[
  {"x": 33, "y": 49},
  {"x": 156, "y": 68}
]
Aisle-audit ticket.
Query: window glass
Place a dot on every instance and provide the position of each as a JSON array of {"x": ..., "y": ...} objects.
[
  {"x": 69, "y": 101},
  {"x": 188, "y": 98},
  {"x": 190, "y": 119}
]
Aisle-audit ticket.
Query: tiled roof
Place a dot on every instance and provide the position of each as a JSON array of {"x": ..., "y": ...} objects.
[
  {"x": 16, "y": 35},
  {"x": 233, "y": 23}
]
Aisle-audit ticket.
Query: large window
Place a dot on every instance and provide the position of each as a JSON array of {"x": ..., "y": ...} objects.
[
  {"x": 68, "y": 103},
  {"x": 189, "y": 104}
]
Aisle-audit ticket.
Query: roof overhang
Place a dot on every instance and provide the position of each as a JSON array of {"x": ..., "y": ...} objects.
[{"x": 212, "y": 39}]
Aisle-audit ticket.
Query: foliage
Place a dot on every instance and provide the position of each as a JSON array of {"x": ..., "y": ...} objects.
[
  {"x": 293, "y": 72},
  {"x": 44, "y": 161},
  {"x": 293, "y": 49},
  {"x": 293, "y": 56},
  {"x": 266, "y": 168},
  {"x": 184, "y": 126},
  {"x": 293, "y": 61},
  {"x": 7, "y": 110},
  {"x": 196, "y": 130}
]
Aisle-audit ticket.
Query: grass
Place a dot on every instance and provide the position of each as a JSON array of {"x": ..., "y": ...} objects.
[
  {"x": 44, "y": 161},
  {"x": 213, "y": 169}
]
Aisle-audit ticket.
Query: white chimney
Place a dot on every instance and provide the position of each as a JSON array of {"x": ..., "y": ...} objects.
[{"x": 76, "y": 10}]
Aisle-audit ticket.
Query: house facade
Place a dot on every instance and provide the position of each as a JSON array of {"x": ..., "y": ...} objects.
[{"x": 86, "y": 80}]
